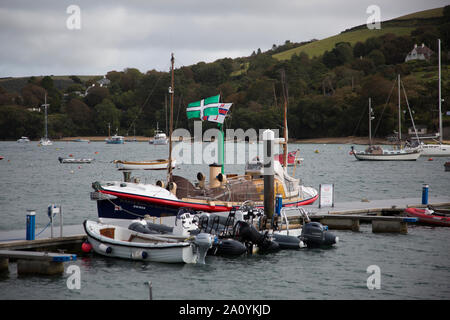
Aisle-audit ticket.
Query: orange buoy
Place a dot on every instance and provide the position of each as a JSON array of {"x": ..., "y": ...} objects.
[
  {"x": 70, "y": 155},
  {"x": 430, "y": 159}
]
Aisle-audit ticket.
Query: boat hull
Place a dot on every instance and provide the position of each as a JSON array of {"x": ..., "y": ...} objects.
[
  {"x": 181, "y": 252},
  {"x": 430, "y": 219},
  {"x": 405, "y": 156},
  {"x": 144, "y": 165},
  {"x": 129, "y": 206},
  {"x": 438, "y": 150}
]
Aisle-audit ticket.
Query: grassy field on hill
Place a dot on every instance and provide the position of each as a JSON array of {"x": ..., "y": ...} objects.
[
  {"x": 397, "y": 26},
  {"x": 426, "y": 14},
  {"x": 317, "y": 48}
]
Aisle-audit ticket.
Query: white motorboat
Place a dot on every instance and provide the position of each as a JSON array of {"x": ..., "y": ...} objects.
[
  {"x": 435, "y": 150},
  {"x": 160, "y": 164},
  {"x": 160, "y": 138},
  {"x": 115, "y": 139},
  {"x": 120, "y": 242},
  {"x": 23, "y": 140}
]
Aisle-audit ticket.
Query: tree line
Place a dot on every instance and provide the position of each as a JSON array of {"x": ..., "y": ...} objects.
[{"x": 327, "y": 95}]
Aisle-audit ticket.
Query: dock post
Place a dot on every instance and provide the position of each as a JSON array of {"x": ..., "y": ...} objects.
[
  {"x": 268, "y": 172},
  {"x": 425, "y": 194},
  {"x": 31, "y": 224}
]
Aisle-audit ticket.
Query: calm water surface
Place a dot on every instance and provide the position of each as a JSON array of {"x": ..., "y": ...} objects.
[{"x": 413, "y": 266}]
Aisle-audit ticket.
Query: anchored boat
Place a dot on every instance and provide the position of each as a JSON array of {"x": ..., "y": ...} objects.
[
  {"x": 72, "y": 160},
  {"x": 120, "y": 242},
  {"x": 160, "y": 164},
  {"x": 430, "y": 216},
  {"x": 129, "y": 200}
]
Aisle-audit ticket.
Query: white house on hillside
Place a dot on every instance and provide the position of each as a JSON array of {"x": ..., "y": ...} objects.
[{"x": 419, "y": 53}]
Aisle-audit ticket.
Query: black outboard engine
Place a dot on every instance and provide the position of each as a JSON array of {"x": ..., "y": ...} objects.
[
  {"x": 315, "y": 234},
  {"x": 248, "y": 233}
]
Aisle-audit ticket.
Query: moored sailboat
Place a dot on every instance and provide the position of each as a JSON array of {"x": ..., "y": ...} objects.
[
  {"x": 45, "y": 141},
  {"x": 377, "y": 153}
]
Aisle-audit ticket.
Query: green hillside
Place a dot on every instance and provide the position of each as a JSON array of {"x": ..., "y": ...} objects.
[
  {"x": 401, "y": 26},
  {"x": 317, "y": 48}
]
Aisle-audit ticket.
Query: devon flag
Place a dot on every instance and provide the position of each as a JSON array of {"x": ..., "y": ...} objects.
[
  {"x": 203, "y": 108},
  {"x": 208, "y": 109}
]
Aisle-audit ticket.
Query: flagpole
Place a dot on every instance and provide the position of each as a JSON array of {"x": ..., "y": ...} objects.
[
  {"x": 171, "y": 91},
  {"x": 221, "y": 143}
]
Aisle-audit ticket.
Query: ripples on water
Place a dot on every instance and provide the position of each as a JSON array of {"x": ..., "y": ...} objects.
[{"x": 413, "y": 266}]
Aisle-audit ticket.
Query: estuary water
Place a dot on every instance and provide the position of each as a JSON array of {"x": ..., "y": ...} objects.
[{"x": 412, "y": 266}]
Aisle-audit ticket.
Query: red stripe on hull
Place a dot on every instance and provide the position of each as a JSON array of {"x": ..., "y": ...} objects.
[{"x": 193, "y": 205}]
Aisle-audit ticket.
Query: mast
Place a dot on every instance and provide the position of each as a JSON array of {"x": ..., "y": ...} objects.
[
  {"x": 439, "y": 92},
  {"x": 45, "y": 107},
  {"x": 285, "y": 145},
  {"x": 399, "y": 114},
  {"x": 171, "y": 92},
  {"x": 370, "y": 121}
]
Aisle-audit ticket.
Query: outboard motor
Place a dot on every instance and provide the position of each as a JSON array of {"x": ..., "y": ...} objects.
[
  {"x": 203, "y": 242},
  {"x": 248, "y": 233},
  {"x": 315, "y": 234}
]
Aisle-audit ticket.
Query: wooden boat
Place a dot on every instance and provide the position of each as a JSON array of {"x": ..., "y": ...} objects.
[
  {"x": 120, "y": 242},
  {"x": 160, "y": 164},
  {"x": 129, "y": 200},
  {"x": 430, "y": 216},
  {"x": 72, "y": 160}
]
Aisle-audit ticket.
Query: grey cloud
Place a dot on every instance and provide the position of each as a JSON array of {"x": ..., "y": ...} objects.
[{"x": 142, "y": 34}]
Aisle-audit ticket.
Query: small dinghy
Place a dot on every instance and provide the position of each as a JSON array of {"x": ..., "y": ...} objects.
[
  {"x": 119, "y": 242},
  {"x": 72, "y": 160},
  {"x": 430, "y": 216},
  {"x": 160, "y": 164}
]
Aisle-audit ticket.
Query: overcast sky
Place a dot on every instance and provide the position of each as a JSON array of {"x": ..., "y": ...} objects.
[{"x": 114, "y": 35}]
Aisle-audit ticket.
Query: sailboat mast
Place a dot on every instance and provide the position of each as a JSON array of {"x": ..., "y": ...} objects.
[
  {"x": 439, "y": 92},
  {"x": 285, "y": 145},
  {"x": 399, "y": 113},
  {"x": 370, "y": 121},
  {"x": 45, "y": 106},
  {"x": 171, "y": 91}
]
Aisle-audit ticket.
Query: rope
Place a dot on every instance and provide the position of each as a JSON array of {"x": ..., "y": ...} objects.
[{"x": 387, "y": 101}]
